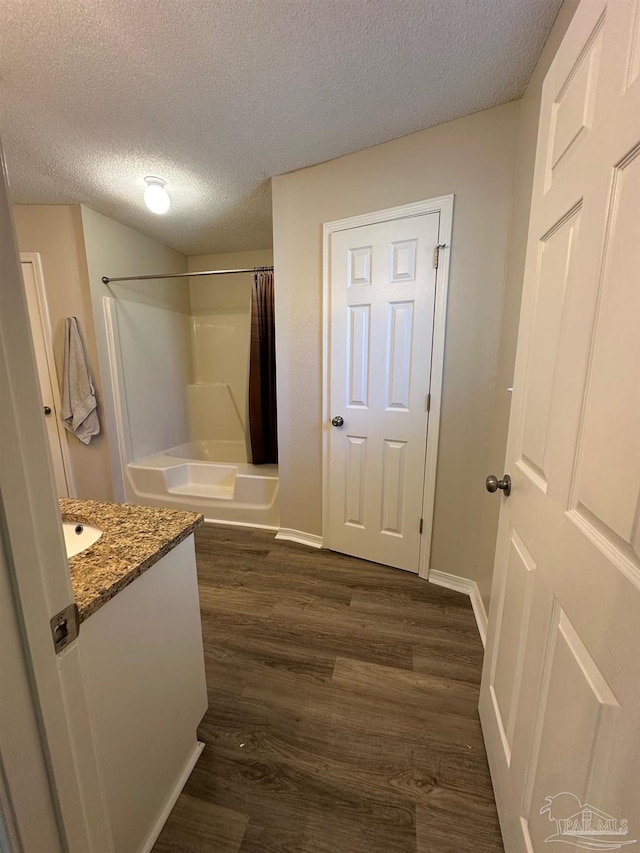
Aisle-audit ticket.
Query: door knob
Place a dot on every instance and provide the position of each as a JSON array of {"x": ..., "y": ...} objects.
[
  {"x": 493, "y": 484},
  {"x": 47, "y": 410},
  {"x": 337, "y": 421}
]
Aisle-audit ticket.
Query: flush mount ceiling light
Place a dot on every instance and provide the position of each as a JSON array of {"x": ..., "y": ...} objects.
[{"x": 155, "y": 195}]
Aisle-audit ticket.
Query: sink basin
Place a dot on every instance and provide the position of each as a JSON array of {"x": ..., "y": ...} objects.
[{"x": 78, "y": 537}]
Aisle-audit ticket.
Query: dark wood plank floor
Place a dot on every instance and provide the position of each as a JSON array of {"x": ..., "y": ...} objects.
[{"x": 342, "y": 709}]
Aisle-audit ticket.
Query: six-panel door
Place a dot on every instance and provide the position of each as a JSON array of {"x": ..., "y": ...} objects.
[
  {"x": 382, "y": 291},
  {"x": 560, "y": 698}
]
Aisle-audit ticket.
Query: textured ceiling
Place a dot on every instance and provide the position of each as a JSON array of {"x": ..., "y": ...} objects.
[{"x": 216, "y": 96}]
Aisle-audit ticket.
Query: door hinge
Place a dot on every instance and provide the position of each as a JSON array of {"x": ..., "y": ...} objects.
[
  {"x": 436, "y": 254},
  {"x": 65, "y": 627},
  {"x": 427, "y": 402},
  {"x": 421, "y": 525}
]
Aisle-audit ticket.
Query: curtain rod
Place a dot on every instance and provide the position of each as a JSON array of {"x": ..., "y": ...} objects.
[{"x": 107, "y": 280}]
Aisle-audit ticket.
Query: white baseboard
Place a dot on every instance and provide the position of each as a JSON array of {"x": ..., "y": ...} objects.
[
  {"x": 147, "y": 847},
  {"x": 468, "y": 587},
  {"x": 454, "y": 582},
  {"x": 225, "y": 522},
  {"x": 299, "y": 536},
  {"x": 479, "y": 612}
]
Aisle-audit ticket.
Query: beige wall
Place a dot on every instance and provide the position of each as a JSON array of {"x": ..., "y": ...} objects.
[
  {"x": 523, "y": 182},
  {"x": 224, "y": 292},
  {"x": 55, "y": 233},
  {"x": 473, "y": 158},
  {"x": 115, "y": 250}
]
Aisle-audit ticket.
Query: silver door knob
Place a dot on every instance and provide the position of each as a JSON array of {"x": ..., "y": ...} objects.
[
  {"x": 337, "y": 421},
  {"x": 493, "y": 484}
]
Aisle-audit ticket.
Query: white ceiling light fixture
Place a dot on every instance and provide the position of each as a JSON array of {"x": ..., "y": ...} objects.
[{"x": 156, "y": 197}]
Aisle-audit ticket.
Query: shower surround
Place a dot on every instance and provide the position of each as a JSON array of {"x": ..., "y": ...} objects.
[
  {"x": 220, "y": 329},
  {"x": 179, "y": 382}
]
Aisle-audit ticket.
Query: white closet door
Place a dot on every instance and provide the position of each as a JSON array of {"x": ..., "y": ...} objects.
[{"x": 382, "y": 307}]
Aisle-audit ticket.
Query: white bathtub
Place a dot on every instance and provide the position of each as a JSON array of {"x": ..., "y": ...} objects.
[
  {"x": 211, "y": 477},
  {"x": 211, "y": 451},
  {"x": 224, "y": 490}
]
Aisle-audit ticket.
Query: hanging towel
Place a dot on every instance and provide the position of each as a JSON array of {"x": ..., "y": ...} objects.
[{"x": 79, "y": 404}]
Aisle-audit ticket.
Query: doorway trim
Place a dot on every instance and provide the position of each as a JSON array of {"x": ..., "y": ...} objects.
[
  {"x": 34, "y": 259},
  {"x": 444, "y": 206}
]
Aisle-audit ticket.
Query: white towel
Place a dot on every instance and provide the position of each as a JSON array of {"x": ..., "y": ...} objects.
[{"x": 79, "y": 404}]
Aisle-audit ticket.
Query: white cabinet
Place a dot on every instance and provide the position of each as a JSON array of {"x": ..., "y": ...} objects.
[{"x": 144, "y": 675}]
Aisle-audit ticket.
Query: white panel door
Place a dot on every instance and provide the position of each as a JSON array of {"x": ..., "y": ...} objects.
[
  {"x": 48, "y": 689},
  {"x": 560, "y": 697},
  {"x": 41, "y": 336},
  {"x": 381, "y": 329}
]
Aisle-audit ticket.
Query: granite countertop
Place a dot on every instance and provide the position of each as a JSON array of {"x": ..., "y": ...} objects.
[{"x": 133, "y": 539}]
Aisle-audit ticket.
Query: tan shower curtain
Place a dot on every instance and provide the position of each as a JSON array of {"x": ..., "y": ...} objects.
[{"x": 262, "y": 371}]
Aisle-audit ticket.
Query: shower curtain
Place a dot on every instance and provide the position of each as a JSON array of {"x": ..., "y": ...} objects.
[{"x": 262, "y": 371}]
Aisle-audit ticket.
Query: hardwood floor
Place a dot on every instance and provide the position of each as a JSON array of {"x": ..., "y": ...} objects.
[{"x": 342, "y": 709}]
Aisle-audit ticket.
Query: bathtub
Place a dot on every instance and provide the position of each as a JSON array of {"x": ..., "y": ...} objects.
[
  {"x": 208, "y": 477},
  {"x": 211, "y": 451},
  {"x": 212, "y": 477}
]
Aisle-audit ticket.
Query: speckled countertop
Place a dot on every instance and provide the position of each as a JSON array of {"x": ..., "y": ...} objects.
[{"x": 133, "y": 539}]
